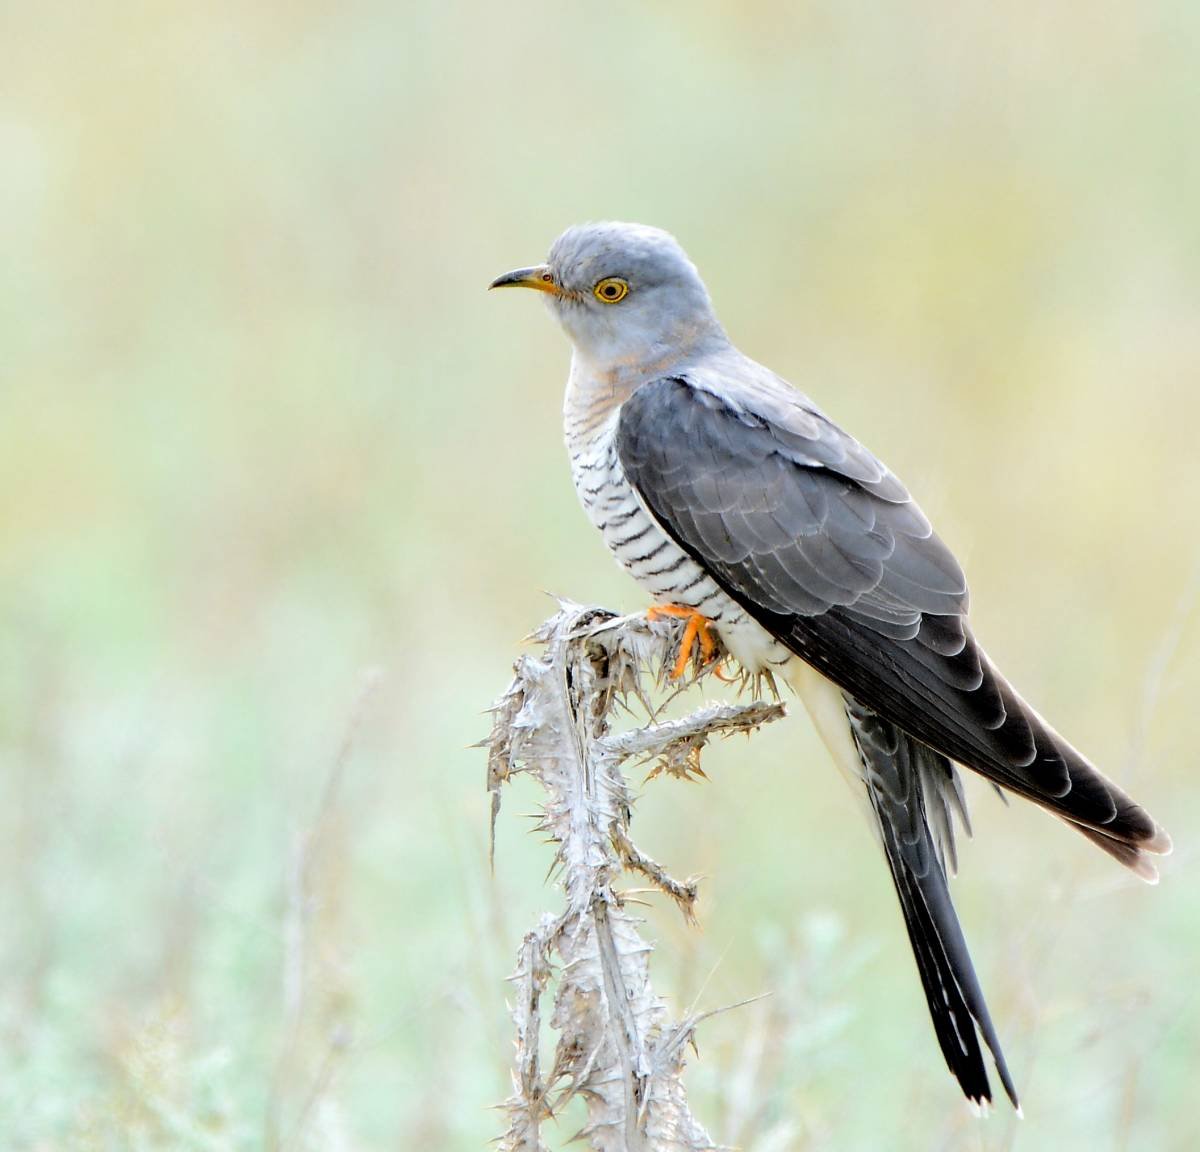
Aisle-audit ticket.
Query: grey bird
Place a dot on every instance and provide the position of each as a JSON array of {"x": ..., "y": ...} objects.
[{"x": 733, "y": 499}]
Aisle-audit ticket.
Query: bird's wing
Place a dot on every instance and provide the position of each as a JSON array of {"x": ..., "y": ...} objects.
[
  {"x": 822, "y": 545},
  {"x": 903, "y": 778}
]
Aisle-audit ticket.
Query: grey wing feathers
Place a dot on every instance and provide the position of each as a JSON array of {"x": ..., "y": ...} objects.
[
  {"x": 805, "y": 513},
  {"x": 903, "y": 779},
  {"x": 824, "y": 547}
]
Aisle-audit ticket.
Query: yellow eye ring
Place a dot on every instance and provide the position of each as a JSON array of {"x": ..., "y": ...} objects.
[{"x": 611, "y": 289}]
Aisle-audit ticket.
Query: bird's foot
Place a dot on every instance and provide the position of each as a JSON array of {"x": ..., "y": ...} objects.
[{"x": 699, "y": 628}]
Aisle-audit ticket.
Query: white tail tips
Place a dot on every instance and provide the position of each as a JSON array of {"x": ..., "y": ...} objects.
[
  {"x": 1160, "y": 843},
  {"x": 1144, "y": 869}
]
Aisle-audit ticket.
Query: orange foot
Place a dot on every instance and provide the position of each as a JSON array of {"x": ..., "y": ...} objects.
[{"x": 698, "y": 628}]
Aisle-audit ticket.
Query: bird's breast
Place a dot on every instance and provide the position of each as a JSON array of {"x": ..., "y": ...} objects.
[{"x": 643, "y": 548}]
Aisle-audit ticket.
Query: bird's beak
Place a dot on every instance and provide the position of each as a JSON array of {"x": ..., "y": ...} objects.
[{"x": 538, "y": 278}]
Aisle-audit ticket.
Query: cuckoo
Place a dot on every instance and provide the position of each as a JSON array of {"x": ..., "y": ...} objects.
[{"x": 737, "y": 503}]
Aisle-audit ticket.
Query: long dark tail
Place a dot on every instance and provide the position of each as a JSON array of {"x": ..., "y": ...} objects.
[{"x": 908, "y": 784}]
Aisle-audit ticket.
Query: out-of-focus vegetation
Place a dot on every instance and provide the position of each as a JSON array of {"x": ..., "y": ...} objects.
[{"x": 281, "y": 487}]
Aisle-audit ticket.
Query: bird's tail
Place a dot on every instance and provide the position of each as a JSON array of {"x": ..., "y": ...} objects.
[
  {"x": 912, "y": 797},
  {"x": 912, "y": 791}
]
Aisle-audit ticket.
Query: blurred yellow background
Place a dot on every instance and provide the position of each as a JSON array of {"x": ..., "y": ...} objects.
[{"x": 279, "y": 478}]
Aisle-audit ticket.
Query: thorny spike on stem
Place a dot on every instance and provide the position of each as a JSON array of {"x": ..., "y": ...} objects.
[{"x": 617, "y": 1046}]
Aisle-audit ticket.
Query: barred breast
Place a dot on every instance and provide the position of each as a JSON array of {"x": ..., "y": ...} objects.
[{"x": 644, "y": 550}]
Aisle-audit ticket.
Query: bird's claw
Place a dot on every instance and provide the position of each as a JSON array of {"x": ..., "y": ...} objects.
[{"x": 699, "y": 628}]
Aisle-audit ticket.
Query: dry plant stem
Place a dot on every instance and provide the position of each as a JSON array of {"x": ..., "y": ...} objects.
[{"x": 617, "y": 1046}]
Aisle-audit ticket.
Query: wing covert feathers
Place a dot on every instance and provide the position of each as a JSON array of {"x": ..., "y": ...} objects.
[{"x": 825, "y": 548}]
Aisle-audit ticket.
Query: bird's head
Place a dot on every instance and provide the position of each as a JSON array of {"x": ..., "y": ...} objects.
[{"x": 624, "y": 293}]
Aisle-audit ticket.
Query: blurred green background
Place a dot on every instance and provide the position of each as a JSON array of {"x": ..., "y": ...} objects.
[{"x": 281, "y": 489}]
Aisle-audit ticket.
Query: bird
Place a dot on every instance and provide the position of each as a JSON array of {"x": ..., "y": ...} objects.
[{"x": 740, "y": 506}]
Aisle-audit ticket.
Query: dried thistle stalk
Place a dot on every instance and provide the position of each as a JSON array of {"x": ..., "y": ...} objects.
[{"x": 617, "y": 1046}]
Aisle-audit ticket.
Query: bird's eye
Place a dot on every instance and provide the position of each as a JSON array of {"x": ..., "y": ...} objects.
[{"x": 610, "y": 290}]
